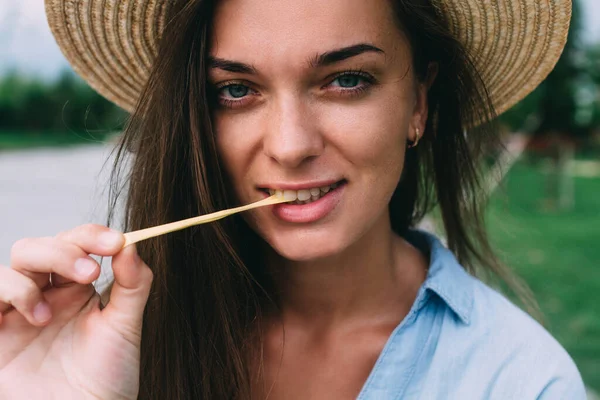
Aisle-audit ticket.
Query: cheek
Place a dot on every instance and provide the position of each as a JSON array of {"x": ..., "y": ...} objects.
[
  {"x": 236, "y": 143},
  {"x": 371, "y": 134}
]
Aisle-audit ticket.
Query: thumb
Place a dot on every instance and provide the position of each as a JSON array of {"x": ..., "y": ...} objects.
[{"x": 130, "y": 291}]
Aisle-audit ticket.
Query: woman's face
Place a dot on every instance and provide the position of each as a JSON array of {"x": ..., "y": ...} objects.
[{"x": 316, "y": 98}]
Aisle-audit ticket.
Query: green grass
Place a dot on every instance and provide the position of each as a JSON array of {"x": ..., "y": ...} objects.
[
  {"x": 558, "y": 255},
  {"x": 10, "y": 140}
]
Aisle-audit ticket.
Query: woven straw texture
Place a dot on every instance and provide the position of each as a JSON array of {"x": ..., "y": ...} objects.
[{"x": 112, "y": 43}]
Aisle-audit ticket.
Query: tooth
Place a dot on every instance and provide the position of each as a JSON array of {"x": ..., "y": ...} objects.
[
  {"x": 271, "y": 192},
  {"x": 279, "y": 193},
  {"x": 334, "y": 185},
  {"x": 313, "y": 198},
  {"x": 314, "y": 191},
  {"x": 303, "y": 195},
  {"x": 325, "y": 189},
  {"x": 290, "y": 195}
]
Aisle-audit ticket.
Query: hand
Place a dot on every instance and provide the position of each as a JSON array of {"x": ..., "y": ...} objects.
[{"x": 55, "y": 341}]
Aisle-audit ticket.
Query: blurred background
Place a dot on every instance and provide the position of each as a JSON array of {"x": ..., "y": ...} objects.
[{"x": 544, "y": 215}]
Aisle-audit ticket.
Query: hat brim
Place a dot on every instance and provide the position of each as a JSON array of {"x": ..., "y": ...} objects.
[{"x": 514, "y": 44}]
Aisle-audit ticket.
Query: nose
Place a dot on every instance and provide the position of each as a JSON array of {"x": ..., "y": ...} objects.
[{"x": 292, "y": 136}]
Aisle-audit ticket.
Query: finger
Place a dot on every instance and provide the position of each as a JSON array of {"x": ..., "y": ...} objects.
[
  {"x": 95, "y": 239},
  {"x": 37, "y": 258},
  {"x": 24, "y": 295},
  {"x": 59, "y": 281},
  {"x": 130, "y": 291},
  {"x": 65, "y": 304}
]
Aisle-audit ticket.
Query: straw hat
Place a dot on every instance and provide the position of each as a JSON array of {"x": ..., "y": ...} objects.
[{"x": 112, "y": 43}]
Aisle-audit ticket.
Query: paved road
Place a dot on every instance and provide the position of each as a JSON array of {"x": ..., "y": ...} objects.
[{"x": 45, "y": 191}]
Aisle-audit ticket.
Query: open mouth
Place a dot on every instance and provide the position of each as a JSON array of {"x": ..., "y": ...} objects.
[{"x": 304, "y": 196}]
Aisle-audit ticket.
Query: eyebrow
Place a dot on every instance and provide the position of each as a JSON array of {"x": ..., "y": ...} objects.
[
  {"x": 321, "y": 60},
  {"x": 231, "y": 66},
  {"x": 335, "y": 56}
]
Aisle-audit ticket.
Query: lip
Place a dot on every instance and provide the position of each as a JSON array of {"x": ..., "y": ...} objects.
[
  {"x": 311, "y": 212},
  {"x": 298, "y": 186}
]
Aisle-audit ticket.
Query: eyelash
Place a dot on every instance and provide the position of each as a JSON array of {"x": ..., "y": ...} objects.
[
  {"x": 226, "y": 103},
  {"x": 367, "y": 81}
]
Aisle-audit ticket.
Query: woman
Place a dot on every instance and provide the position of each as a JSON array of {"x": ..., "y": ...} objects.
[{"x": 359, "y": 109}]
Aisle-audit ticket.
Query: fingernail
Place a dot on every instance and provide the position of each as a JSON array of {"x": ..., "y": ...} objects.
[
  {"x": 41, "y": 312},
  {"x": 110, "y": 239},
  {"x": 85, "y": 267}
]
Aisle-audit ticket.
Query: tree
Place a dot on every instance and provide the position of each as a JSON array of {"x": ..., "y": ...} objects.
[
  {"x": 66, "y": 105},
  {"x": 592, "y": 66},
  {"x": 559, "y": 115},
  {"x": 558, "y": 107},
  {"x": 559, "y": 126}
]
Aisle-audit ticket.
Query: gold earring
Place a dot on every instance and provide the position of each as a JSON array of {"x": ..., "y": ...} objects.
[{"x": 414, "y": 144}]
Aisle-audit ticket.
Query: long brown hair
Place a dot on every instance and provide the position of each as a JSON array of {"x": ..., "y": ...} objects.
[{"x": 209, "y": 288}]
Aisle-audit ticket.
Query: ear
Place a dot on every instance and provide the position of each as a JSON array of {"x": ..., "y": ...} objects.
[{"x": 421, "y": 110}]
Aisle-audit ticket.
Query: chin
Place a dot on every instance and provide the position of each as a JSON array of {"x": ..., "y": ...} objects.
[{"x": 306, "y": 246}]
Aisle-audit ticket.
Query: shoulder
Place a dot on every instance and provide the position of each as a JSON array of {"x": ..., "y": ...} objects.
[
  {"x": 519, "y": 349},
  {"x": 499, "y": 320},
  {"x": 487, "y": 347}
]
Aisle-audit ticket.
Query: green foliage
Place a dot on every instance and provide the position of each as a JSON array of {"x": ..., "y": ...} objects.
[
  {"x": 64, "y": 105},
  {"x": 592, "y": 64},
  {"x": 559, "y": 103},
  {"x": 524, "y": 116},
  {"x": 565, "y": 102}
]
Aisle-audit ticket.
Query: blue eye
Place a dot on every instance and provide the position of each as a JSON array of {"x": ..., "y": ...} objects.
[
  {"x": 349, "y": 84},
  {"x": 236, "y": 91},
  {"x": 348, "y": 81}
]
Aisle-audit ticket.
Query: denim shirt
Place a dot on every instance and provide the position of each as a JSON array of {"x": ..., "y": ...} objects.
[{"x": 463, "y": 340}]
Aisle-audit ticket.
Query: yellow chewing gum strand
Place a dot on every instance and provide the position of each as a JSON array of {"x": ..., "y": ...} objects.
[{"x": 143, "y": 234}]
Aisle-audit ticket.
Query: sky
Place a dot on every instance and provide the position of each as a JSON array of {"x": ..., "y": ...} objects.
[{"x": 27, "y": 44}]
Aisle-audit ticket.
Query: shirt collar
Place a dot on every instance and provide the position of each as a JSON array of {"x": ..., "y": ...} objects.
[{"x": 446, "y": 277}]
